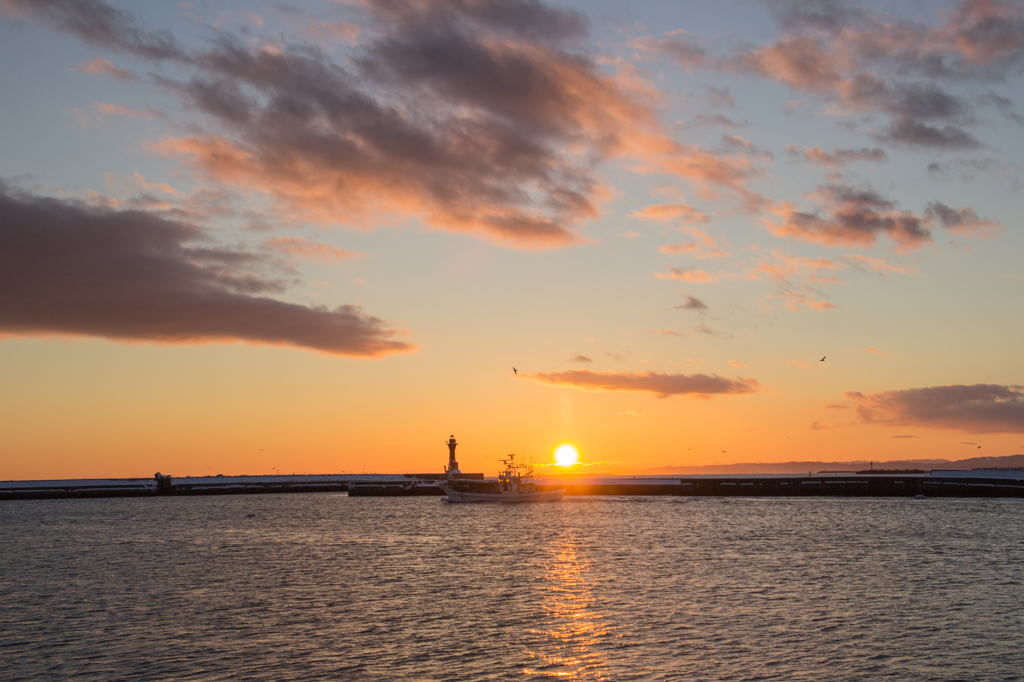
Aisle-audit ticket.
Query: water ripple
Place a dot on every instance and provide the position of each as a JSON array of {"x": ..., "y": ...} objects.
[{"x": 323, "y": 587}]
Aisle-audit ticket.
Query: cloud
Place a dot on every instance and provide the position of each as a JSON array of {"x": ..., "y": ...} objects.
[
  {"x": 980, "y": 408},
  {"x": 795, "y": 300},
  {"x": 875, "y": 351},
  {"x": 852, "y": 216},
  {"x": 100, "y": 66},
  {"x": 485, "y": 117},
  {"x": 720, "y": 97},
  {"x": 908, "y": 131},
  {"x": 860, "y": 215},
  {"x": 663, "y": 385},
  {"x": 297, "y": 247},
  {"x": 692, "y": 304},
  {"x": 737, "y": 363},
  {"x": 97, "y": 23},
  {"x": 904, "y": 436},
  {"x": 100, "y": 110},
  {"x": 667, "y": 212},
  {"x": 837, "y": 158},
  {"x": 783, "y": 267},
  {"x": 818, "y": 426},
  {"x": 327, "y": 32},
  {"x": 579, "y": 358},
  {"x": 962, "y": 221},
  {"x": 689, "y": 275},
  {"x": 70, "y": 269},
  {"x": 878, "y": 265},
  {"x": 862, "y": 61}
]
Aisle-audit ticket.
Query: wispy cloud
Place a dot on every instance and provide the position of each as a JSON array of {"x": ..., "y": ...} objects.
[
  {"x": 98, "y": 66},
  {"x": 299, "y": 248},
  {"x": 692, "y": 304},
  {"x": 861, "y": 61},
  {"x": 695, "y": 275},
  {"x": 837, "y": 158},
  {"x": 663, "y": 385}
]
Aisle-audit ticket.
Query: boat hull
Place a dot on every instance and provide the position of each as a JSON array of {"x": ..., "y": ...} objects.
[{"x": 505, "y": 497}]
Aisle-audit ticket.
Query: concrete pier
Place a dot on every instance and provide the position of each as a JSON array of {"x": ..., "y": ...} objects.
[{"x": 950, "y": 483}]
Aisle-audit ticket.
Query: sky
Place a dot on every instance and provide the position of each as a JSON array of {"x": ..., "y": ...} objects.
[{"x": 255, "y": 238}]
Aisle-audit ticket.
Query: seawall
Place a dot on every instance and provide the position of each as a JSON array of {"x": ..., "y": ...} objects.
[{"x": 949, "y": 483}]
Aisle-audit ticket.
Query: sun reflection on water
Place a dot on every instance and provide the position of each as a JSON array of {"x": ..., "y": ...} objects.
[{"x": 564, "y": 646}]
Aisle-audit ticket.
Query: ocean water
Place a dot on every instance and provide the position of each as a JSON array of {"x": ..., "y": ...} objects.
[{"x": 324, "y": 587}]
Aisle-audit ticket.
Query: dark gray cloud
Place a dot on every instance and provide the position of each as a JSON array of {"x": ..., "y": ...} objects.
[
  {"x": 980, "y": 408},
  {"x": 923, "y": 76},
  {"x": 837, "y": 158},
  {"x": 99, "y": 24},
  {"x": 720, "y": 97},
  {"x": 526, "y": 19},
  {"x": 663, "y": 385},
  {"x": 693, "y": 304},
  {"x": 457, "y": 112},
  {"x": 964, "y": 221},
  {"x": 853, "y": 215},
  {"x": 909, "y": 131},
  {"x": 580, "y": 358},
  {"x": 70, "y": 269}
]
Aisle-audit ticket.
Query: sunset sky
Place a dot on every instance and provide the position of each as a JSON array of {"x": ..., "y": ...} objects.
[{"x": 244, "y": 237}]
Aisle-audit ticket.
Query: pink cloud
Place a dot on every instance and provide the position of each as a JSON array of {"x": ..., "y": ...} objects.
[
  {"x": 302, "y": 248},
  {"x": 796, "y": 300},
  {"x": 100, "y": 66},
  {"x": 667, "y": 212},
  {"x": 838, "y": 158},
  {"x": 695, "y": 275}
]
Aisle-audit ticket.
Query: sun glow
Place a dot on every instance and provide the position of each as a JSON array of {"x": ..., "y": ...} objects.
[{"x": 566, "y": 455}]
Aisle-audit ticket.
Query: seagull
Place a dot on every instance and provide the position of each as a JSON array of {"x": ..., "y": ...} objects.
[
  {"x": 822, "y": 359},
  {"x": 515, "y": 371}
]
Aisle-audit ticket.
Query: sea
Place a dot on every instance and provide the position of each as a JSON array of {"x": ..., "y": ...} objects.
[{"x": 327, "y": 587}]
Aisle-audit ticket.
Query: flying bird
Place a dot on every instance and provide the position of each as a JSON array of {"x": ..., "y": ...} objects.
[
  {"x": 822, "y": 359},
  {"x": 515, "y": 371}
]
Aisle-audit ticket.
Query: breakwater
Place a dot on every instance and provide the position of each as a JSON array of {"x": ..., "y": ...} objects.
[{"x": 949, "y": 483}]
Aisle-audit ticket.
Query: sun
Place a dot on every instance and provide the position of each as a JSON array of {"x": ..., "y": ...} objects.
[{"x": 566, "y": 455}]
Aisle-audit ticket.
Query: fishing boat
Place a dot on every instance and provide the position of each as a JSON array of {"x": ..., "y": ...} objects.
[{"x": 515, "y": 483}]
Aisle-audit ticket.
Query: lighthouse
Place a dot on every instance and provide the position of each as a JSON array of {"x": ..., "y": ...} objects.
[{"x": 453, "y": 466}]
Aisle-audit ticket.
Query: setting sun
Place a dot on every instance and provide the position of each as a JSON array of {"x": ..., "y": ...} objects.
[{"x": 566, "y": 455}]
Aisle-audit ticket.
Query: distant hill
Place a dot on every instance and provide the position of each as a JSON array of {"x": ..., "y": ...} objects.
[{"x": 1010, "y": 461}]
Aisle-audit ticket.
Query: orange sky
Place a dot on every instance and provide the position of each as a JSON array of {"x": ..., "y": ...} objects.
[{"x": 241, "y": 246}]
